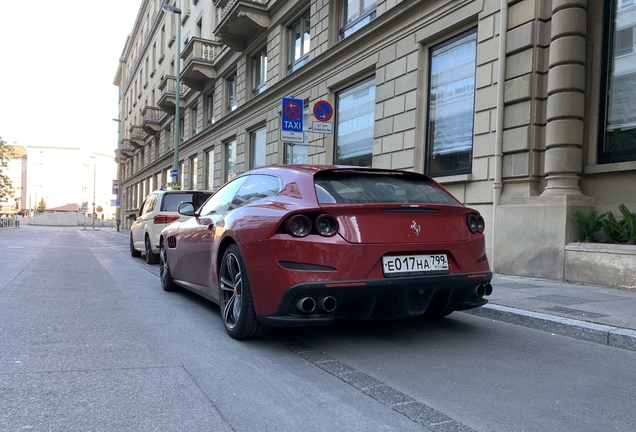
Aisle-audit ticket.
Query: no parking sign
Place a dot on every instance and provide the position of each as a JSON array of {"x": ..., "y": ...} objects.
[{"x": 323, "y": 111}]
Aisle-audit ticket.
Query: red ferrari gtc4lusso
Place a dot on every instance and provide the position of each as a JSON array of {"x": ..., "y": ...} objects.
[{"x": 301, "y": 245}]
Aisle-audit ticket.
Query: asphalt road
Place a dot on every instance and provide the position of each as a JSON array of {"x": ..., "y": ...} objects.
[{"x": 90, "y": 341}]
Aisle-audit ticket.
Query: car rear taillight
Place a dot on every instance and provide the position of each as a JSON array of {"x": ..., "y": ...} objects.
[
  {"x": 475, "y": 223},
  {"x": 165, "y": 219},
  {"x": 298, "y": 225},
  {"x": 326, "y": 225},
  {"x": 301, "y": 225}
]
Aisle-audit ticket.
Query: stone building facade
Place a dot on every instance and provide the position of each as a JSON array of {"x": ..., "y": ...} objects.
[{"x": 527, "y": 125}]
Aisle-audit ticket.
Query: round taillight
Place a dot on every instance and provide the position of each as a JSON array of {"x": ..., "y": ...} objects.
[
  {"x": 298, "y": 225},
  {"x": 471, "y": 219},
  {"x": 480, "y": 224},
  {"x": 326, "y": 225}
]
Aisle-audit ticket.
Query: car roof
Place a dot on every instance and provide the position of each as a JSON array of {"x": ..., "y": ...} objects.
[
  {"x": 183, "y": 191},
  {"x": 314, "y": 169}
]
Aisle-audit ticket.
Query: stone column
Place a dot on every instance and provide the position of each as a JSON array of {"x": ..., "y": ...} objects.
[{"x": 566, "y": 98}]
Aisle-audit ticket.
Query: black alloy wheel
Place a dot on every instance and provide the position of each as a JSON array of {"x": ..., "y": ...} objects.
[
  {"x": 237, "y": 307},
  {"x": 133, "y": 252},
  {"x": 151, "y": 258},
  {"x": 167, "y": 283}
]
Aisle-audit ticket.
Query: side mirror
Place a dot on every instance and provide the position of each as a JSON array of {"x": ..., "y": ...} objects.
[
  {"x": 186, "y": 209},
  {"x": 132, "y": 217}
]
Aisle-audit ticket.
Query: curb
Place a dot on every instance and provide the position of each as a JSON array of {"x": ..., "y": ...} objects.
[{"x": 602, "y": 334}]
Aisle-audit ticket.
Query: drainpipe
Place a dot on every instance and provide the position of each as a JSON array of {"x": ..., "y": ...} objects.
[{"x": 501, "y": 81}]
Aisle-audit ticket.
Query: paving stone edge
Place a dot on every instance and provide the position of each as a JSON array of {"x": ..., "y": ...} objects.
[{"x": 606, "y": 335}]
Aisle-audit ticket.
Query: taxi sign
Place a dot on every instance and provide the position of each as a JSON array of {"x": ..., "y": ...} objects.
[{"x": 292, "y": 122}]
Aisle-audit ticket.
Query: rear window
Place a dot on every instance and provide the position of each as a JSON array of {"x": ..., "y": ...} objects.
[
  {"x": 335, "y": 187},
  {"x": 170, "y": 202}
]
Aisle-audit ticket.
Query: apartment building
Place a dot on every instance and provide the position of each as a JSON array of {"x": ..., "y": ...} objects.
[{"x": 523, "y": 109}]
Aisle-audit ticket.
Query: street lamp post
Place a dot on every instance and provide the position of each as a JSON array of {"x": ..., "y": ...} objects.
[
  {"x": 175, "y": 165},
  {"x": 119, "y": 179},
  {"x": 94, "y": 183}
]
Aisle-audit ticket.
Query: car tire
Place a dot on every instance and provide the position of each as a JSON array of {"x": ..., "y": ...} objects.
[
  {"x": 151, "y": 258},
  {"x": 237, "y": 306},
  {"x": 133, "y": 252},
  {"x": 167, "y": 283}
]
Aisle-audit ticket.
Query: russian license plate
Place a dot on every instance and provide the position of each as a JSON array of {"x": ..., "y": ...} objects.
[{"x": 414, "y": 265}]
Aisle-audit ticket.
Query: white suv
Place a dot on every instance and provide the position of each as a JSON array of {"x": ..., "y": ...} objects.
[{"x": 158, "y": 210}]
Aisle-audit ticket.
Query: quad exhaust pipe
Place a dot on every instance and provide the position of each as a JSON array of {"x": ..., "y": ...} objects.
[
  {"x": 308, "y": 304},
  {"x": 483, "y": 290},
  {"x": 328, "y": 304}
]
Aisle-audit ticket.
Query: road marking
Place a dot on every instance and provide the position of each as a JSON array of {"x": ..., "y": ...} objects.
[{"x": 370, "y": 386}]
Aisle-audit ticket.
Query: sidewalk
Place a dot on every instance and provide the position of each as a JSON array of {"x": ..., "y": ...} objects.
[{"x": 597, "y": 313}]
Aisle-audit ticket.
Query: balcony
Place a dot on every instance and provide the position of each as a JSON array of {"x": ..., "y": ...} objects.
[
  {"x": 198, "y": 57},
  {"x": 137, "y": 136},
  {"x": 151, "y": 117},
  {"x": 126, "y": 149},
  {"x": 240, "y": 20},
  {"x": 167, "y": 101}
]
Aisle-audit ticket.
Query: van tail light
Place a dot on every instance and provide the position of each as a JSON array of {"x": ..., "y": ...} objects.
[{"x": 165, "y": 219}]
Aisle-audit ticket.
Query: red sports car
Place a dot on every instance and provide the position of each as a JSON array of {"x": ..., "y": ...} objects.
[{"x": 300, "y": 245}]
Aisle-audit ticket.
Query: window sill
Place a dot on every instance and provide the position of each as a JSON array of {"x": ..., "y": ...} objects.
[
  {"x": 608, "y": 168},
  {"x": 460, "y": 178}
]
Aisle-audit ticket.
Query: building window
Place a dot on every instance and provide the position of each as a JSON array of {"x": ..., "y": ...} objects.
[
  {"x": 209, "y": 167},
  {"x": 181, "y": 129},
  {"x": 231, "y": 93},
  {"x": 194, "y": 173},
  {"x": 355, "y": 109},
  {"x": 617, "y": 131},
  {"x": 355, "y": 15},
  {"x": 193, "y": 120},
  {"x": 169, "y": 138},
  {"x": 451, "y": 105},
  {"x": 181, "y": 174},
  {"x": 299, "y": 42},
  {"x": 230, "y": 160},
  {"x": 625, "y": 4},
  {"x": 259, "y": 72},
  {"x": 209, "y": 107},
  {"x": 258, "y": 144}
]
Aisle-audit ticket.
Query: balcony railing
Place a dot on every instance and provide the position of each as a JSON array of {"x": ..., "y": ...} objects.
[
  {"x": 137, "y": 136},
  {"x": 167, "y": 101},
  {"x": 151, "y": 119},
  {"x": 198, "y": 57},
  {"x": 126, "y": 149}
]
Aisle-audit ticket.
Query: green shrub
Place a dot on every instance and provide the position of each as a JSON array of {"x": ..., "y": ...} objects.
[
  {"x": 591, "y": 224},
  {"x": 614, "y": 229},
  {"x": 629, "y": 219}
]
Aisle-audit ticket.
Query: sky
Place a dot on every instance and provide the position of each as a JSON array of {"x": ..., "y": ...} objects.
[{"x": 58, "y": 61}]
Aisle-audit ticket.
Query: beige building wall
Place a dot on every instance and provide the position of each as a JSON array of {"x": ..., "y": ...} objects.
[{"x": 535, "y": 133}]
